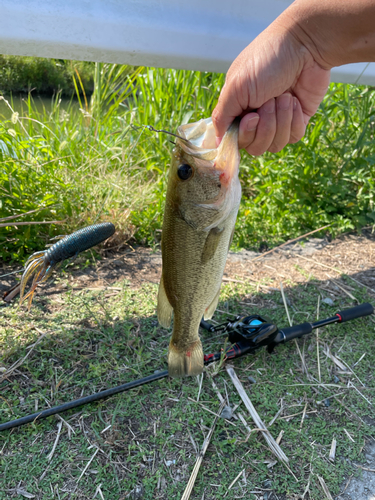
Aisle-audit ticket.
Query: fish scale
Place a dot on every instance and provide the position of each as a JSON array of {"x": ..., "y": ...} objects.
[{"x": 199, "y": 218}]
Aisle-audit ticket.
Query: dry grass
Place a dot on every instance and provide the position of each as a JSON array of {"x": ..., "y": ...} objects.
[{"x": 101, "y": 331}]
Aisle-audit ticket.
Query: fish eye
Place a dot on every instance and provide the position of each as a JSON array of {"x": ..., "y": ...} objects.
[{"x": 184, "y": 171}]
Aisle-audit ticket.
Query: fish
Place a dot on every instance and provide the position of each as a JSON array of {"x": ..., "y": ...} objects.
[{"x": 202, "y": 200}]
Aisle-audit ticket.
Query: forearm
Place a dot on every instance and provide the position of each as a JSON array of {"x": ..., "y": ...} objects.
[{"x": 336, "y": 32}]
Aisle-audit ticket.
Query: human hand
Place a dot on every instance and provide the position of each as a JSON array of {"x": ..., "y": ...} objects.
[{"x": 276, "y": 85}]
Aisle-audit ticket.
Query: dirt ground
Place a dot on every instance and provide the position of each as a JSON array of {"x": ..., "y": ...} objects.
[{"x": 352, "y": 255}]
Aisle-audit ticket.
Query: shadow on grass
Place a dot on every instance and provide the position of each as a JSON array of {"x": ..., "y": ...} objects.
[{"x": 147, "y": 437}]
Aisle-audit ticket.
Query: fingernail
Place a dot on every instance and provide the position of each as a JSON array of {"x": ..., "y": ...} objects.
[
  {"x": 269, "y": 106},
  {"x": 283, "y": 102},
  {"x": 294, "y": 102},
  {"x": 252, "y": 123}
]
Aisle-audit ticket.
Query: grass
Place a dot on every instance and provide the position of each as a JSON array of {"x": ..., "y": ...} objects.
[
  {"x": 83, "y": 165},
  {"x": 98, "y": 339},
  {"x": 80, "y": 166}
]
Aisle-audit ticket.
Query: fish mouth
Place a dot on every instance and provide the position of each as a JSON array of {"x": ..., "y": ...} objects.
[
  {"x": 199, "y": 140},
  {"x": 200, "y": 135}
]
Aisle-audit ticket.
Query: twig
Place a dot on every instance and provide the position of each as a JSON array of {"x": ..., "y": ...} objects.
[
  {"x": 345, "y": 290},
  {"x": 350, "y": 411},
  {"x": 332, "y": 452},
  {"x": 246, "y": 425},
  {"x": 337, "y": 271},
  {"x": 216, "y": 389},
  {"x": 285, "y": 417},
  {"x": 88, "y": 464},
  {"x": 334, "y": 359},
  {"x": 200, "y": 381},
  {"x": 291, "y": 241},
  {"x": 198, "y": 463},
  {"x": 193, "y": 443},
  {"x": 364, "y": 468},
  {"x": 20, "y": 361},
  {"x": 276, "y": 416},
  {"x": 303, "y": 416},
  {"x": 330, "y": 396},
  {"x": 285, "y": 304},
  {"x": 324, "y": 488},
  {"x": 279, "y": 437},
  {"x": 210, "y": 411},
  {"x": 348, "y": 367},
  {"x": 304, "y": 368},
  {"x": 306, "y": 489},
  {"x": 31, "y": 223},
  {"x": 250, "y": 431},
  {"x": 350, "y": 384},
  {"x": 49, "y": 457},
  {"x": 69, "y": 427},
  {"x": 10, "y": 294},
  {"x": 349, "y": 436},
  {"x": 317, "y": 341},
  {"x": 360, "y": 359},
  {"x": 275, "y": 448},
  {"x": 233, "y": 482},
  {"x": 232, "y": 280},
  {"x": 98, "y": 491},
  {"x": 25, "y": 213}
]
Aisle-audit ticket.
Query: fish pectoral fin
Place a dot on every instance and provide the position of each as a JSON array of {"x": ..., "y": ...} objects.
[
  {"x": 164, "y": 309},
  {"x": 209, "y": 311},
  {"x": 211, "y": 244}
]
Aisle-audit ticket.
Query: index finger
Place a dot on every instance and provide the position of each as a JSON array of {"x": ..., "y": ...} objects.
[{"x": 227, "y": 108}]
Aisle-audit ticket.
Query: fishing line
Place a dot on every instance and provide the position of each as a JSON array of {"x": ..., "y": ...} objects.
[{"x": 152, "y": 129}]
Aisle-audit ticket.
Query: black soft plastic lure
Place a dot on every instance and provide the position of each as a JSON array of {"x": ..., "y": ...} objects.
[{"x": 43, "y": 263}]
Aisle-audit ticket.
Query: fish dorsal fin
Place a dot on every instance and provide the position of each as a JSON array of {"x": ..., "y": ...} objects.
[
  {"x": 209, "y": 312},
  {"x": 211, "y": 244},
  {"x": 164, "y": 309}
]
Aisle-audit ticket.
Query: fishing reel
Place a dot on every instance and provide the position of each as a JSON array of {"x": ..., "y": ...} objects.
[
  {"x": 256, "y": 330},
  {"x": 253, "y": 331},
  {"x": 246, "y": 333},
  {"x": 249, "y": 333}
]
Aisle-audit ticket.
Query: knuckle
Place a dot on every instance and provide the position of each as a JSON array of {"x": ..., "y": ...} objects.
[
  {"x": 275, "y": 148},
  {"x": 255, "y": 150},
  {"x": 216, "y": 115},
  {"x": 295, "y": 138},
  {"x": 296, "y": 135}
]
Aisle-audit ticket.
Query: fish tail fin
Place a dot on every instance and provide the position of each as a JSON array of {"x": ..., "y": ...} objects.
[{"x": 189, "y": 361}]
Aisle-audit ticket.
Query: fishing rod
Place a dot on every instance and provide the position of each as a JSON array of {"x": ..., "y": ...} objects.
[{"x": 246, "y": 333}]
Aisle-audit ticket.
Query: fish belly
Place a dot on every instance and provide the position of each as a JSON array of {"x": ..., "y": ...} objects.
[{"x": 193, "y": 266}]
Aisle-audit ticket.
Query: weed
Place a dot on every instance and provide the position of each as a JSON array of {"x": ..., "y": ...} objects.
[
  {"x": 79, "y": 166},
  {"x": 145, "y": 437}
]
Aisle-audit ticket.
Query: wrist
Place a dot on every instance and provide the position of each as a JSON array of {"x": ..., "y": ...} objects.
[{"x": 334, "y": 32}]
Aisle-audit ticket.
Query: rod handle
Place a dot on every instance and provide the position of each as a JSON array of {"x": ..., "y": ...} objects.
[
  {"x": 206, "y": 326},
  {"x": 355, "y": 312},
  {"x": 293, "y": 332}
]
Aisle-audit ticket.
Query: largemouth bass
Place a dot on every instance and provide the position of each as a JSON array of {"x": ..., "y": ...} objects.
[{"x": 203, "y": 196}]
